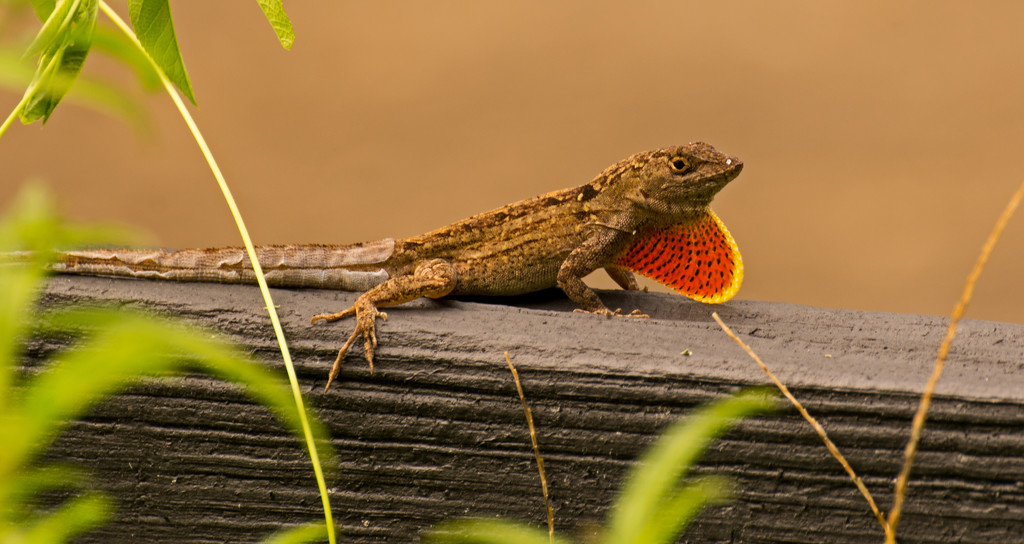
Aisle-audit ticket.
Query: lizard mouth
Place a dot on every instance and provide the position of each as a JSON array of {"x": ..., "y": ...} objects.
[
  {"x": 705, "y": 189},
  {"x": 731, "y": 169}
]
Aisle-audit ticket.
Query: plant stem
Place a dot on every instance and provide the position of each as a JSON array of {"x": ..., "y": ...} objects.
[
  {"x": 278, "y": 331},
  {"x": 814, "y": 424},
  {"x": 926, "y": 398},
  {"x": 536, "y": 451}
]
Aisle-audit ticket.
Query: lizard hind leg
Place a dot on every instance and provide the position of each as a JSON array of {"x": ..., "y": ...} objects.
[
  {"x": 366, "y": 313},
  {"x": 433, "y": 278}
]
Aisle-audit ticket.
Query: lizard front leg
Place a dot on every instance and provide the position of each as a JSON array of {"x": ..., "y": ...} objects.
[
  {"x": 585, "y": 259},
  {"x": 434, "y": 279}
]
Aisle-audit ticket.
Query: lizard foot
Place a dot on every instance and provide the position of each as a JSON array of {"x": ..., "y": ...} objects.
[
  {"x": 617, "y": 313},
  {"x": 366, "y": 326}
]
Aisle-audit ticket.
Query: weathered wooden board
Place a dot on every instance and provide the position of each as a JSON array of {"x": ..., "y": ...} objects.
[{"x": 438, "y": 432}]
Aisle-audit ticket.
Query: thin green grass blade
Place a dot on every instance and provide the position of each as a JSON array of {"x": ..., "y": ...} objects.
[
  {"x": 311, "y": 444},
  {"x": 17, "y": 492},
  {"x": 154, "y": 28},
  {"x": 73, "y": 517},
  {"x": 657, "y": 473},
  {"x": 219, "y": 359},
  {"x": 674, "y": 514},
  {"x": 76, "y": 380},
  {"x": 125, "y": 345},
  {"x": 265, "y": 387},
  {"x": 488, "y": 531},
  {"x": 273, "y": 10}
]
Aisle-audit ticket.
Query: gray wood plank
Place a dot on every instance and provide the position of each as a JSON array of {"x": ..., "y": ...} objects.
[{"x": 437, "y": 431}]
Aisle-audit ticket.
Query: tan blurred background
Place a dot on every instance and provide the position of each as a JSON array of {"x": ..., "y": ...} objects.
[{"x": 881, "y": 139}]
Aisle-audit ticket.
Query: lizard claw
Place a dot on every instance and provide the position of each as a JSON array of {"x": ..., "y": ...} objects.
[
  {"x": 366, "y": 316},
  {"x": 336, "y": 367}
]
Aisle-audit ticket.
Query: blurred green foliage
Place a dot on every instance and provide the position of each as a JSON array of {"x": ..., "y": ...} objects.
[
  {"x": 114, "y": 348},
  {"x": 655, "y": 505},
  {"x": 69, "y": 33}
]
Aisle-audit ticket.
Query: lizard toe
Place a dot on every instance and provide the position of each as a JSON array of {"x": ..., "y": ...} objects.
[
  {"x": 336, "y": 367},
  {"x": 612, "y": 313},
  {"x": 369, "y": 342},
  {"x": 603, "y": 312},
  {"x": 333, "y": 317}
]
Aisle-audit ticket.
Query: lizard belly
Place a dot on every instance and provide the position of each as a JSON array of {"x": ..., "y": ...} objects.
[
  {"x": 509, "y": 272},
  {"x": 507, "y": 282}
]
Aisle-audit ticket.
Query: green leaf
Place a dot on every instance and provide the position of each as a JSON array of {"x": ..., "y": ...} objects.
[
  {"x": 154, "y": 27},
  {"x": 488, "y": 531},
  {"x": 88, "y": 92},
  {"x": 301, "y": 534},
  {"x": 109, "y": 99},
  {"x": 29, "y": 230},
  {"x": 28, "y": 227},
  {"x": 655, "y": 477},
  {"x": 53, "y": 33},
  {"x": 15, "y": 73},
  {"x": 273, "y": 10},
  {"x": 62, "y": 43},
  {"x": 122, "y": 48},
  {"x": 43, "y": 8},
  {"x": 68, "y": 388}
]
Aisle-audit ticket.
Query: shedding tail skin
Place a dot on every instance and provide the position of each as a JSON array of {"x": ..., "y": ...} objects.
[
  {"x": 699, "y": 258},
  {"x": 343, "y": 267}
]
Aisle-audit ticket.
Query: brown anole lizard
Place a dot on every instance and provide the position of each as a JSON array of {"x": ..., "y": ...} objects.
[{"x": 648, "y": 213}]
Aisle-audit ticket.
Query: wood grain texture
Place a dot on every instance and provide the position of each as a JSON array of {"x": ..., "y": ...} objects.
[{"x": 437, "y": 431}]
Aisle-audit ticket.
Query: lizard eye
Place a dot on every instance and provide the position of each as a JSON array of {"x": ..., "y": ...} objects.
[{"x": 679, "y": 164}]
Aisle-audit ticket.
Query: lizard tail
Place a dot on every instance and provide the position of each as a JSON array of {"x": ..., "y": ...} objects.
[{"x": 355, "y": 267}]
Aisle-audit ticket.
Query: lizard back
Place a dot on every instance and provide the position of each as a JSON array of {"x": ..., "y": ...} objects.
[{"x": 511, "y": 250}]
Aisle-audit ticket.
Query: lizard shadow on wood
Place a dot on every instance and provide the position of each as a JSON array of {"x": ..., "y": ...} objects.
[{"x": 657, "y": 307}]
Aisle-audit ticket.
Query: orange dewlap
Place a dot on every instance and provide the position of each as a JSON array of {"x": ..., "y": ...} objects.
[{"x": 698, "y": 258}]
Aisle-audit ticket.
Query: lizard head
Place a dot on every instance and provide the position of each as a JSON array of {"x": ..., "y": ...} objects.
[
  {"x": 672, "y": 180},
  {"x": 686, "y": 175}
]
